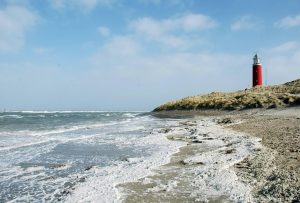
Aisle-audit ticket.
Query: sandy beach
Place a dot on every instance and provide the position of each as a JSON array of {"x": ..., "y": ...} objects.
[
  {"x": 275, "y": 172},
  {"x": 229, "y": 156}
]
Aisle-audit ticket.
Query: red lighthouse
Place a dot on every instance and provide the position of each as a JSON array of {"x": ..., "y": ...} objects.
[{"x": 257, "y": 71}]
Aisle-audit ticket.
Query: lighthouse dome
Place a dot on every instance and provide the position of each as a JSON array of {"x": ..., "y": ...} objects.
[{"x": 256, "y": 59}]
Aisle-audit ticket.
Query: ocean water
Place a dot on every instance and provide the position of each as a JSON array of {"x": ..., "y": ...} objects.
[{"x": 60, "y": 156}]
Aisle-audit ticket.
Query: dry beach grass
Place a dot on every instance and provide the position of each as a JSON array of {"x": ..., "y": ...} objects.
[{"x": 287, "y": 94}]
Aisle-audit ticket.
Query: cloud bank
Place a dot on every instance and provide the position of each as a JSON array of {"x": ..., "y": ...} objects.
[
  {"x": 174, "y": 31},
  {"x": 246, "y": 22},
  {"x": 85, "y": 5},
  {"x": 15, "y": 21},
  {"x": 288, "y": 22}
]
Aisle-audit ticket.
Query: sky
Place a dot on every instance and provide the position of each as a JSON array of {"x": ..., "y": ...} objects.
[{"x": 117, "y": 55}]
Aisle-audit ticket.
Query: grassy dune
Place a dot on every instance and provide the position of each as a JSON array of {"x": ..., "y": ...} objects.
[{"x": 287, "y": 94}]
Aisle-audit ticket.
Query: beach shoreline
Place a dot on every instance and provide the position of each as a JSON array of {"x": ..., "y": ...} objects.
[{"x": 262, "y": 172}]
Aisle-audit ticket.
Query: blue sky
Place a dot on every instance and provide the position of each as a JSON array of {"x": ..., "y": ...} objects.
[{"x": 137, "y": 54}]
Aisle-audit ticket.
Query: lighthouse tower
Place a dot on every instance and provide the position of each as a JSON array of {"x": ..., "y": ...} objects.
[{"x": 257, "y": 71}]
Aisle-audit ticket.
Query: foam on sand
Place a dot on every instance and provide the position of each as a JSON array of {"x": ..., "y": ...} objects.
[
  {"x": 101, "y": 186},
  {"x": 203, "y": 170},
  {"x": 214, "y": 172}
]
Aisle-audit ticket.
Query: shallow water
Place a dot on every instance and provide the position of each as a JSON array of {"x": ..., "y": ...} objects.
[{"x": 45, "y": 156}]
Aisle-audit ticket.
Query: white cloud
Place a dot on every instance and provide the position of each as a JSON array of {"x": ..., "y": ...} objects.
[
  {"x": 186, "y": 23},
  {"x": 246, "y": 22},
  {"x": 288, "y": 22},
  {"x": 282, "y": 63},
  {"x": 125, "y": 57},
  {"x": 104, "y": 31},
  {"x": 58, "y": 3},
  {"x": 155, "y": 2},
  {"x": 285, "y": 47},
  {"x": 14, "y": 22},
  {"x": 195, "y": 22},
  {"x": 18, "y": 2},
  {"x": 168, "y": 2},
  {"x": 40, "y": 50},
  {"x": 149, "y": 27},
  {"x": 118, "y": 47},
  {"x": 172, "y": 31},
  {"x": 85, "y": 5}
]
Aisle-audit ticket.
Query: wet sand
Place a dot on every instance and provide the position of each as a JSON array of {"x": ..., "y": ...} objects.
[{"x": 270, "y": 173}]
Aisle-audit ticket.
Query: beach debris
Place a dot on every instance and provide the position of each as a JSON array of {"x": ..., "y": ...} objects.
[
  {"x": 88, "y": 168},
  {"x": 193, "y": 137},
  {"x": 57, "y": 166},
  {"x": 225, "y": 121},
  {"x": 208, "y": 138},
  {"x": 165, "y": 130},
  {"x": 230, "y": 151},
  {"x": 204, "y": 134},
  {"x": 189, "y": 162},
  {"x": 197, "y": 141},
  {"x": 189, "y": 123},
  {"x": 182, "y": 162}
]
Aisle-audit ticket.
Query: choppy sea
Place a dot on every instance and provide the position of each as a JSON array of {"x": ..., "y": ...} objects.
[{"x": 77, "y": 156}]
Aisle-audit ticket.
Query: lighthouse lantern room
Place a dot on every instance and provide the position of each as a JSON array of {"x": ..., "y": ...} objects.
[{"x": 257, "y": 71}]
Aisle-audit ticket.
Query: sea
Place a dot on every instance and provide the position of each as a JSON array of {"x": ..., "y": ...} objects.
[{"x": 70, "y": 156}]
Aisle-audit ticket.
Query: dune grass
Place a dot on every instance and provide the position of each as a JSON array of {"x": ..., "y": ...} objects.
[{"x": 287, "y": 94}]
